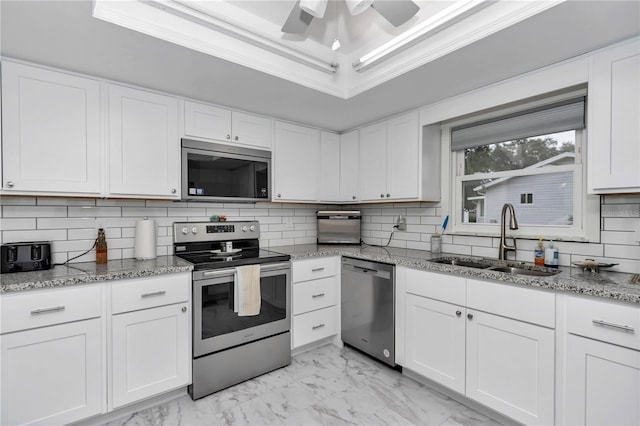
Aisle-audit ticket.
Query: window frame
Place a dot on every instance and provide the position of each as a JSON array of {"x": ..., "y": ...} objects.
[{"x": 586, "y": 207}]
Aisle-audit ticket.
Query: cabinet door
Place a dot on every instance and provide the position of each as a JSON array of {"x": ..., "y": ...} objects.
[
  {"x": 435, "y": 340},
  {"x": 296, "y": 163},
  {"x": 207, "y": 121},
  {"x": 510, "y": 367},
  {"x": 252, "y": 130},
  {"x": 603, "y": 384},
  {"x": 373, "y": 162},
  {"x": 403, "y": 156},
  {"x": 144, "y": 148},
  {"x": 51, "y": 132},
  {"x": 349, "y": 167},
  {"x": 329, "y": 176},
  {"x": 52, "y": 375},
  {"x": 614, "y": 108},
  {"x": 151, "y": 352}
]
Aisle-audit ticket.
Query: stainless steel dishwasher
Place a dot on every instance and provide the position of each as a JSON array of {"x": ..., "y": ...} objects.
[{"x": 368, "y": 307}]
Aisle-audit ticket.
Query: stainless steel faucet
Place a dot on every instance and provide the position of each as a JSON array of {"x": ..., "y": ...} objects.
[{"x": 513, "y": 224}]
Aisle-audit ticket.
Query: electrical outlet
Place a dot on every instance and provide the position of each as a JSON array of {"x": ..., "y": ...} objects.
[
  {"x": 99, "y": 223},
  {"x": 401, "y": 223}
]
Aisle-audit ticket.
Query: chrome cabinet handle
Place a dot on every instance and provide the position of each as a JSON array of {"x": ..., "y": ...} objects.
[
  {"x": 9, "y": 184},
  {"x": 470, "y": 316},
  {"x": 317, "y": 269},
  {"x": 612, "y": 325},
  {"x": 47, "y": 310},
  {"x": 236, "y": 138},
  {"x": 313, "y": 296},
  {"x": 184, "y": 309},
  {"x": 315, "y": 327},
  {"x": 228, "y": 136},
  {"x": 381, "y": 195},
  {"x": 173, "y": 190},
  {"x": 154, "y": 293},
  {"x": 458, "y": 313},
  {"x": 279, "y": 195},
  {"x": 388, "y": 195},
  {"x": 353, "y": 197}
]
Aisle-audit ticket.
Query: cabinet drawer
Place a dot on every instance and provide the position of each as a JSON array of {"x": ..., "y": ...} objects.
[
  {"x": 314, "y": 326},
  {"x": 437, "y": 286},
  {"x": 48, "y": 307},
  {"x": 610, "y": 322},
  {"x": 143, "y": 293},
  {"x": 314, "y": 294},
  {"x": 524, "y": 304},
  {"x": 305, "y": 270}
]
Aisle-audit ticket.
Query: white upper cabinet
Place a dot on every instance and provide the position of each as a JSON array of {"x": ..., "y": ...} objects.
[
  {"x": 394, "y": 165},
  {"x": 349, "y": 167},
  {"x": 296, "y": 169},
  {"x": 373, "y": 162},
  {"x": 614, "y": 108},
  {"x": 403, "y": 156},
  {"x": 51, "y": 132},
  {"x": 329, "y": 177},
  {"x": 210, "y": 122},
  {"x": 144, "y": 150}
]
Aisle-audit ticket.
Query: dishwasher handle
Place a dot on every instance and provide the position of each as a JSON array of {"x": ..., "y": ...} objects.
[{"x": 350, "y": 267}]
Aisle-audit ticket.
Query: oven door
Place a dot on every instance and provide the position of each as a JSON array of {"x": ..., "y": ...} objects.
[{"x": 217, "y": 327}]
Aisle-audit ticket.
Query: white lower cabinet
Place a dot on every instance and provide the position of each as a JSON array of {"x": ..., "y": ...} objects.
[
  {"x": 151, "y": 352},
  {"x": 316, "y": 290},
  {"x": 52, "y": 356},
  {"x": 52, "y": 375},
  {"x": 603, "y": 383},
  {"x": 510, "y": 367},
  {"x": 502, "y": 355},
  {"x": 602, "y": 363},
  {"x": 65, "y": 357},
  {"x": 435, "y": 341}
]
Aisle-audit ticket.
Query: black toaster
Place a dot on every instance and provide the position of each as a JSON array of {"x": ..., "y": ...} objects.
[{"x": 22, "y": 257}]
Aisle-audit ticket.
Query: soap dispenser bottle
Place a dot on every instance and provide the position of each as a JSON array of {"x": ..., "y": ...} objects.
[
  {"x": 551, "y": 256},
  {"x": 538, "y": 259}
]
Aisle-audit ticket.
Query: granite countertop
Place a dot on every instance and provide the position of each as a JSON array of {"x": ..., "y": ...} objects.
[
  {"x": 89, "y": 272},
  {"x": 606, "y": 284}
]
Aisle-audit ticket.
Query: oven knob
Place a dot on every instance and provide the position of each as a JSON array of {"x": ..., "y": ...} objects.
[
  {"x": 185, "y": 231},
  {"x": 245, "y": 229},
  {"x": 252, "y": 228},
  {"x": 194, "y": 230}
]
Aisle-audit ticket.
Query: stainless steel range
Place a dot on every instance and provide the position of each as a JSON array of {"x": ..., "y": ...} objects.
[{"x": 227, "y": 348}]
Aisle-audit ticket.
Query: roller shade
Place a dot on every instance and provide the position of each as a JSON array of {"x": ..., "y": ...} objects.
[{"x": 559, "y": 117}]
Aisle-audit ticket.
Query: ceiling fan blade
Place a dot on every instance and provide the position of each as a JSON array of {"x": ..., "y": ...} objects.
[
  {"x": 396, "y": 12},
  {"x": 298, "y": 20}
]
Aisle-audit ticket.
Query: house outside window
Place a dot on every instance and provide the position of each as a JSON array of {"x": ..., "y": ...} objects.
[{"x": 533, "y": 159}]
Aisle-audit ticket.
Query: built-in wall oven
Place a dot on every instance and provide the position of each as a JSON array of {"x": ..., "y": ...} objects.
[{"x": 228, "y": 348}]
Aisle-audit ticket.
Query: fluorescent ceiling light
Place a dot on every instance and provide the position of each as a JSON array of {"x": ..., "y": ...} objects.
[{"x": 437, "y": 22}]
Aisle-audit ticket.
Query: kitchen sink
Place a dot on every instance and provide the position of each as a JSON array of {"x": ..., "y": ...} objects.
[
  {"x": 523, "y": 271},
  {"x": 463, "y": 262},
  {"x": 496, "y": 265}
]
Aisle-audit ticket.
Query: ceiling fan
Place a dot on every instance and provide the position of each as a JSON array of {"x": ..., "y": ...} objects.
[{"x": 397, "y": 12}]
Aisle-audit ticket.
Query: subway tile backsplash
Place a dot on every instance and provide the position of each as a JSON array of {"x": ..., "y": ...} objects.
[{"x": 71, "y": 224}]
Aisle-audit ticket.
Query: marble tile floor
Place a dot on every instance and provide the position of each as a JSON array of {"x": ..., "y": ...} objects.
[{"x": 324, "y": 386}]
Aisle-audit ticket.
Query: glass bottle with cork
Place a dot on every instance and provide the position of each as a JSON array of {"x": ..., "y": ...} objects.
[{"x": 101, "y": 247}]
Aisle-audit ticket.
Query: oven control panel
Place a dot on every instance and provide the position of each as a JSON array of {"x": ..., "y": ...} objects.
[{"x": 186, "y": 232}]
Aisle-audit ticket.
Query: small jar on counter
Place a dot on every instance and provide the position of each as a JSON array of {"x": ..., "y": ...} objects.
[{"x": 436, "y": 244}]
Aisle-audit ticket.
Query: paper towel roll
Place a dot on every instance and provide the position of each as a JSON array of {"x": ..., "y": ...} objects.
[{"x": 145, "y": 239}]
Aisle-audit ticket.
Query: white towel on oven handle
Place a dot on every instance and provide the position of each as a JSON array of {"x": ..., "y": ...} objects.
[{"x": 246, "y": 290}]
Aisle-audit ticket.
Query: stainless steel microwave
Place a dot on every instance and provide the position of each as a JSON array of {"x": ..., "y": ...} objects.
[{"x": 217, "y": 172}]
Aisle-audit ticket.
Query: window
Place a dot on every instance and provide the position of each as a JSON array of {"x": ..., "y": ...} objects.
[
  {"x": 532, "y": 159},
  {"x": 526, "y": 198}
]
